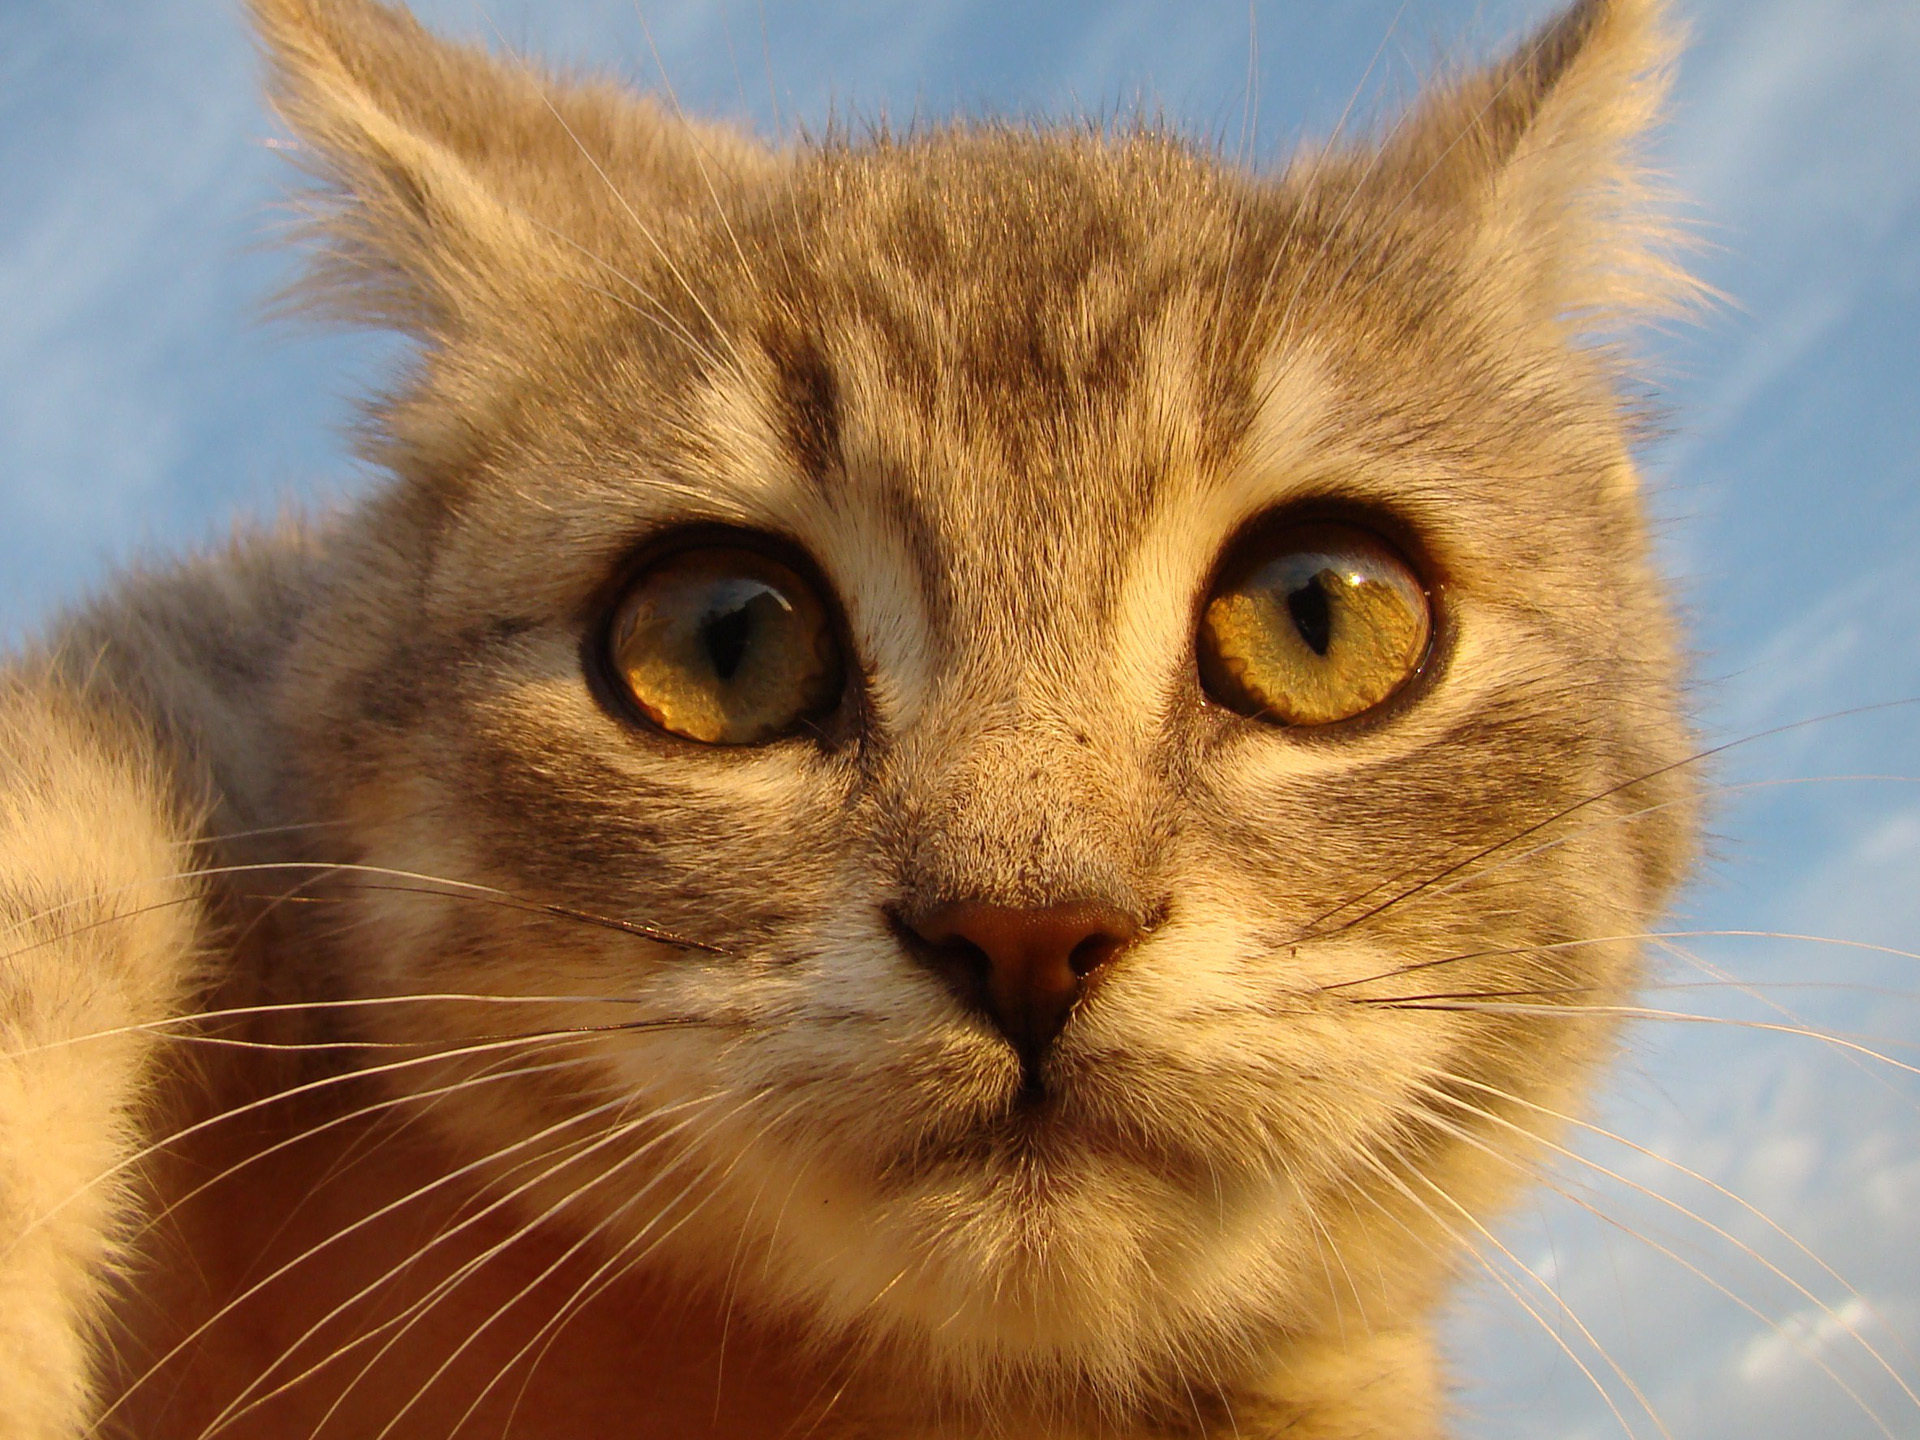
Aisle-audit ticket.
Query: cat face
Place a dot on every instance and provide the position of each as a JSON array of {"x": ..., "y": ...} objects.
[{"x": 998, "y": 935}]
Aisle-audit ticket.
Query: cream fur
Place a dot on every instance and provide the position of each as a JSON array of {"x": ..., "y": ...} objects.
[{"x": 101, "y": 926}]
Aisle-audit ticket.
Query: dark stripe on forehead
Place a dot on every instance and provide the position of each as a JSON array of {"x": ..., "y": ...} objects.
[{"x": 807, "y": 399}]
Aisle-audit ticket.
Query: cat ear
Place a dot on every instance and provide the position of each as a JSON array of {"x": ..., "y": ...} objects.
[
  {"x": 455, "y": 182},
  {"x": 1537, "y": 158}
]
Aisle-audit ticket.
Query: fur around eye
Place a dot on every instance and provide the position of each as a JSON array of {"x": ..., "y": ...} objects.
[
  {"x": 725, "y": 646},
  {"x": 1314, "y": 624}
]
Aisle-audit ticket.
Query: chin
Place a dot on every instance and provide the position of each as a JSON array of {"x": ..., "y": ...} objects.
[{"x": 1029, "y": 1251}]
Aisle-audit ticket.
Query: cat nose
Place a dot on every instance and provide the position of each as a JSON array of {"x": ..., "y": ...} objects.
[{"x": 1030, "y": 966}]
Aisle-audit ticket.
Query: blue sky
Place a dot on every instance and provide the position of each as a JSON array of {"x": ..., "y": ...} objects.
[{"x": 142, "y": 405}]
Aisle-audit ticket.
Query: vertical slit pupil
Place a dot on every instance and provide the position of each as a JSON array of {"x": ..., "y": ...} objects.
[
  {"x": 726, "y": 635},
  {"x": 1312, "y": 615}
]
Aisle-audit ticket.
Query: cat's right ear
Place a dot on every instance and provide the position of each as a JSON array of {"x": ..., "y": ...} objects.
[{"x": 457, "y": 186}]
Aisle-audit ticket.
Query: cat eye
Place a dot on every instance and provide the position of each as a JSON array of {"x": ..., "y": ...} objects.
[
  {"x": 725, "y": 645},
  {"x": 1314, "y": 623}
]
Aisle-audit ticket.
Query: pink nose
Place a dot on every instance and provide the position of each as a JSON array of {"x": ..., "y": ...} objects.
[{"x": 1031, "y": 964}]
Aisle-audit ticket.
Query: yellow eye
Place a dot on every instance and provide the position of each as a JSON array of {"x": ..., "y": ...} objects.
[
  {"x": 1321, "y": 623},
  {"x": 726, "y": 646}
]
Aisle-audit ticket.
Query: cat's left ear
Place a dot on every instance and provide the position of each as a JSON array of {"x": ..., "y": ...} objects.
[{"x": 1537, "y": 161}]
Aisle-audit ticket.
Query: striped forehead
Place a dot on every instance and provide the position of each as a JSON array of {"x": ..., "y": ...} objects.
[{"x": 1012, "y": 547}]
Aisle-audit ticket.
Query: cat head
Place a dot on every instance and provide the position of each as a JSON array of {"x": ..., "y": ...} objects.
[{"x": 1082, "y": 725}]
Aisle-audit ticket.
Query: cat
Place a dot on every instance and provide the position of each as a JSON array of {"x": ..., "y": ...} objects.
[{"x": 974, "y": 782}]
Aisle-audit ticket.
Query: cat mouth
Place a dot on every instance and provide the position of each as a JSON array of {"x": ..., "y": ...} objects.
[{"x": 1036, "y": 1129}]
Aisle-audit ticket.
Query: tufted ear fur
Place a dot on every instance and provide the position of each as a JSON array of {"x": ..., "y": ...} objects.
[
  {"x": 455, "y": 182},
  {"x": 1536, "y": 159}
]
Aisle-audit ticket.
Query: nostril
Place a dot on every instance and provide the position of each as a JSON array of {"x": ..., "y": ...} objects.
[
  {"x": 961, "y": 956},
  {"x": 1092, "y": 953},
  {"x": 960, "y": 948}
]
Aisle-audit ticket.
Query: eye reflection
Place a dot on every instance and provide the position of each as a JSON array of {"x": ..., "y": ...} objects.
[
  {"x": 1317, "y": 623},
  {"x": 726, "y": 646}
]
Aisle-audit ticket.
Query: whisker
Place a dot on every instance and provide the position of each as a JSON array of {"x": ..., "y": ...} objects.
[
  {"x": 186, "y": 1022},
  {"x": 1559, "y": 1300},
  {"x": 432, "y": 885},
  {"x": 1642, "y": 812},
  {"x": 1329, "y": 1252},
  {"x": 1354, "y": 193},
  {"x": 391, "y": 1207},
  {"x": 430, "y": 1096},
  {"x": 1468, "y": 1138},
  {"x": 646, "y": 232},
  {"x": 1750, "y": 989},
  {"x": 1697, "y": 757},
  {"x": 1493, "y": 1272},
  {"x": 1550, "y": 946},
  {"x": 1753, "y": 991},
  {"x": 246, "y": 1401},
  {"x": 291, "y": 827},
  {"x": 590, "y": 1236},
  {"x": 660, "y": 316},
  {"x": 611, "y": 1270},
  {"x": 1211, "y": 366},
  {"x": 395, "y": 1121},
  {"x": 305, "y": 1088},
  {"x": 1745, "y": 1205},
  {"x": 699, "y": 162},
  {"x": 1640, "y": 1012},
  {"x": 730, "y": 1287}
]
